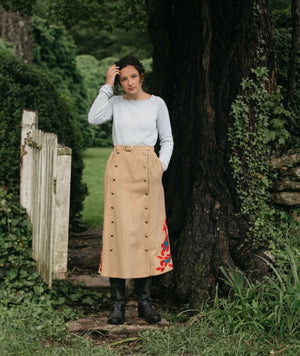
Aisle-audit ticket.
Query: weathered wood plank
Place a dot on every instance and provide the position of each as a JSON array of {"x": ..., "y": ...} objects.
[
  {"x": 62, "y": 209},
  {"x": 45, "y": 186}
]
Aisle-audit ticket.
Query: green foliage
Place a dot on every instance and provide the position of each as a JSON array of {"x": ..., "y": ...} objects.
[
  {"x": 6, "y": 45},
  {"x": 94, "y": 73},
  {"x": 25, "y": 7},
  {"x": 117, "y": 43},
  {"x": 19, "y": 281},
  {"x": 22, "y": 86},
  {"x": 130, "y": 14},
  {"x": 70, "y": 12},
  {"x": 101, "y": 14},
  {"x": 258, "y": 318},
  {"x": 40, "y": 329},
  {"x": 54, "y": 53},
  {"x": 102, "y": 28},
  {"x": 270, "y": 307},
  {"x": 219, "y": 330},
  {"x": 15, "y": 233},
  {"x": 258, "y": 128},
  {"x": 279, "y": 5},
  {"x": 202, "y": 335},
  {"x": 283, "y": 30}
]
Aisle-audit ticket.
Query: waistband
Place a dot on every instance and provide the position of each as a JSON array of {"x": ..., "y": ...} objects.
[{"x": 133, "y": 148}]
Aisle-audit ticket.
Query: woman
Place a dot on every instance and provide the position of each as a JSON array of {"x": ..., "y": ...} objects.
[{"x": 135, "y": 235}]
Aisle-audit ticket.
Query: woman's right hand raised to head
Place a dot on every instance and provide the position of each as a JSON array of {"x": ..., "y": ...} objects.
[{"x": 111, "y": 75}]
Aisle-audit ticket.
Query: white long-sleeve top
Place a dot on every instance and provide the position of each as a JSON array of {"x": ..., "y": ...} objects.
[{"x": 135, "y": 122}]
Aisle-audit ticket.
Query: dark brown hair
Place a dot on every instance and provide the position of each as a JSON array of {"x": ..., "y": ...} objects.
[{"x": 130, "y": 61}]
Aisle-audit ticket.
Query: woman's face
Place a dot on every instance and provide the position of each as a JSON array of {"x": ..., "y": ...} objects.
[{"x": 130, "y": 80}]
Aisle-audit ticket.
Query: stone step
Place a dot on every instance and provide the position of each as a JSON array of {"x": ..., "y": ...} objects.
[
  {"x": 97, "y": 282},
  {"x": 89, "y": 281},
  {"x": 132, "y": 327}
]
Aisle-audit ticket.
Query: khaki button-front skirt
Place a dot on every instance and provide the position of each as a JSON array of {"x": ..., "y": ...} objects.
[{"x": 135, "y": 242}]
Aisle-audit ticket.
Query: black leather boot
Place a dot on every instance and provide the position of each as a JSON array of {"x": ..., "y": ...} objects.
[
  {"x": 117, "y": 313},
  {"x": 145, "y": 310}
]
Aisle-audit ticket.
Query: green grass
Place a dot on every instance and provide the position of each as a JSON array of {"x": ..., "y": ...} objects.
[
  {"x": 205, "y": 335},
  {"x": 93, "y": 175},
  {"x": 35, "y": 329},
  {"x": 260, "y": 318}
]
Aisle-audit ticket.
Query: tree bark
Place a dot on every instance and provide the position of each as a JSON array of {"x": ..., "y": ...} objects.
[
  {"x": 202, "y": 50},
  {"x": 18, "y": 30}
]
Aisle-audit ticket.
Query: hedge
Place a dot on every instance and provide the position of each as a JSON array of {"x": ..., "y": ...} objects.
[{"x": 26, "y": 87}]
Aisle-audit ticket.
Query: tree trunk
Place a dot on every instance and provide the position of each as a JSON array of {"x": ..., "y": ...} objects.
[
  {"x": 202, "y": 50},
  {"x": 18, "y": 30},
  {"x": 295, "y": 45}
]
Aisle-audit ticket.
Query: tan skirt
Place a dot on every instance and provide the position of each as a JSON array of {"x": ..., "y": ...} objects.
[{"x": 135, "y": 242}]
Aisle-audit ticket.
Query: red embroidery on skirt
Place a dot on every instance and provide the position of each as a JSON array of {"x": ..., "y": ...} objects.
[
  {"x": 100, "y": 267},
  {"x": 165, "y": 254}
]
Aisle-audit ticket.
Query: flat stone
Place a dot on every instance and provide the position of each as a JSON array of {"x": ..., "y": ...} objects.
[
  {"x": 90, "y": 281},
  {"x": 98, "y": 282},
  {"x": 287, "y": 198},
  {"x": 287, "y": 160},
  {"x": 132, "y": 327},
  {"x": 288, "y": 185}
]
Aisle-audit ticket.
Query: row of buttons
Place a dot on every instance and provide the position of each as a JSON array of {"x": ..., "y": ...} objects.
[{"x": 146, "y": 208}]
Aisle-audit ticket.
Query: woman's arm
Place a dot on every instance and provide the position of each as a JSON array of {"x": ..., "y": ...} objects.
[
  {"x": 165, "y": 135},
  {"x": 101, "y": 110}
]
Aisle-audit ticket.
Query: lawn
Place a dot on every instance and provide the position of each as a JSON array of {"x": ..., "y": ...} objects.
[{"x": 93, "y": 175}]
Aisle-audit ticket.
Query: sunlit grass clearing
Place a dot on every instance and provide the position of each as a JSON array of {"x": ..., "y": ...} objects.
[{"x": 93, "y": 175}]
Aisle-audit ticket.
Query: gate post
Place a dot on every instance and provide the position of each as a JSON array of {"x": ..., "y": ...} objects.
[{"x": 62, "y": 209}]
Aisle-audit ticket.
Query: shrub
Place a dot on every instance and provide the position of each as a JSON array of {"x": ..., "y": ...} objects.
[
  {"x": 4, "y": 45},
  {"x": 93, "y": 73},
  {"x": 22, "y": 87},
  {"x": 54, "y": 53}
]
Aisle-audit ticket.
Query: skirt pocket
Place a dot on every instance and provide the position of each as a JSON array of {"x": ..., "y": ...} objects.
[{"x": 158, "y": 162}]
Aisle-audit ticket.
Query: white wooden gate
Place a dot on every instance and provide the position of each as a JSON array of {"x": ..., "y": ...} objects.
[{"x": 45, "y": 194}]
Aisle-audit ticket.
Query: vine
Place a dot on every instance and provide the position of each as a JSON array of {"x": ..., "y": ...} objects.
[
  {"x": 19, "y": 280},
  {"x": 257, "y": 133}
]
